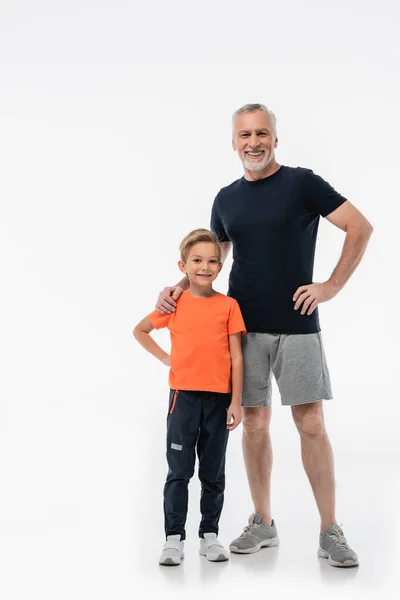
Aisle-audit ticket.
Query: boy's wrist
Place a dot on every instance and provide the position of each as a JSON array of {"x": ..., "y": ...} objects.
[{"x": 236, "y": 402}]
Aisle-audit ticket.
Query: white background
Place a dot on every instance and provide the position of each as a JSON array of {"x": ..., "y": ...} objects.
[{"x": 114, "y": 140}]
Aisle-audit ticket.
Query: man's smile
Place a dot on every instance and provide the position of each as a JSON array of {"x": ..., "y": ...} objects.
[{"x": 254, "y": 154}]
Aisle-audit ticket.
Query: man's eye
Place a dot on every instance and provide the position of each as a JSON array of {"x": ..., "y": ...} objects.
[{"x": 244, "y": 135}]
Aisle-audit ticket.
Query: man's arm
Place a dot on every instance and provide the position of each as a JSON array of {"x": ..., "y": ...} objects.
[
  {"x": 166, "y": 302},
  {"x": 226, "y": 248},
  {"x": 358, "y": 231}
]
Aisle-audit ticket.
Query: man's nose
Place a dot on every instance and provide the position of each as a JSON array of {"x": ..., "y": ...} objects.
[{"x": 253, "y": 140}]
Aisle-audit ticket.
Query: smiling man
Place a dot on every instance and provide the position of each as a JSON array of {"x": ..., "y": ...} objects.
[{"x": 270, "y": 217}]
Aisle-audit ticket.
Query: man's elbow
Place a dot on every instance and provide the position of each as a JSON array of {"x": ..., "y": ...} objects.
[
  {"x": 368, "y": 229},
  {"x": 362, "y": 229}
]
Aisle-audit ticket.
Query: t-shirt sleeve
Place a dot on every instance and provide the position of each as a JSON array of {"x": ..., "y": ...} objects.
[
  {"x": 319, "y": 196},
  {"x": 235, "y": 321},
  {"x": 159, "y": 320},
  {"x": 216, "y": 224}
]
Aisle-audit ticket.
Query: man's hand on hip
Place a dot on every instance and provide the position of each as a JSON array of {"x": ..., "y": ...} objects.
[
  {"x": 166, "y": 299},
  {"x": 309, "y": 296}
]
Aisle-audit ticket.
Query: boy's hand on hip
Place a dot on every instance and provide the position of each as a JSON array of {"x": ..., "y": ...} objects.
[
  {"x": 234, "y": 416},
  {"x": 166, "y": 299},
  {"x": 166, "y": 361}
]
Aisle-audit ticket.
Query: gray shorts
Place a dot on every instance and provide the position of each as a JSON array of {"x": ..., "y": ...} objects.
[{"x": 297, "y": 362}]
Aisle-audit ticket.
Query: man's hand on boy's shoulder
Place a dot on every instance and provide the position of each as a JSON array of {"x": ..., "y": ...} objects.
[
  {"x": 234, "y": 416},
  {"x": 166, "y": 302}
]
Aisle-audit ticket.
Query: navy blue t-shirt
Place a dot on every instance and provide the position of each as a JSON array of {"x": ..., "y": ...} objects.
[{"x": 273, "y": 224}]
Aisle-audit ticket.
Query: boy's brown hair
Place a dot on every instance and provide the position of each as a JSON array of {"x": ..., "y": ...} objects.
[{"x": 196, "y": 236}]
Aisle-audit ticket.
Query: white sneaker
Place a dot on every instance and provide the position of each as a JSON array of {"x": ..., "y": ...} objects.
[
  {"x": 172, "y": 551},
  {"x": 212, "y": 549}
]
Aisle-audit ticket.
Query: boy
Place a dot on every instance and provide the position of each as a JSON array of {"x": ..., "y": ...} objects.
[{"x": 205, "y": 378}]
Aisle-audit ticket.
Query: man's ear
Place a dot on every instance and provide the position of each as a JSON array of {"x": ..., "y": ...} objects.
[
  {"x": 276, "y": 142},
  {"x": 182, "y": 267},
  {"x": 234, "y": 144}
]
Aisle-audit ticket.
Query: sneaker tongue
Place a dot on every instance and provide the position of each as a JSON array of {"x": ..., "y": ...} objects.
[
  {"x": 255, "y": 518},
  {"x": 174, "y": 537},
  {"x": 208, "y": 536}
]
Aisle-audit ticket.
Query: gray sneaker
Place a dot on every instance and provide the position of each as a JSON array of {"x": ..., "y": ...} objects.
[
  {"x": 255, "y": 536},
  {"x": 334, "y": 547},
  {"x": 172, "y": 551}
]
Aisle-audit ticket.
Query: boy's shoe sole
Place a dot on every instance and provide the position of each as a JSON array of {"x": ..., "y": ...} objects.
[
  {"x": 264, "y": 544},
  {"x": 218, "y": 557},
  {"x": 333, "y": 563},
  {"x": 171, "y": 562}
]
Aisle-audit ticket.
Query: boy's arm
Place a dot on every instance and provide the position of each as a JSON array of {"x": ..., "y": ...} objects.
[
  {"x": 235, "y": 350},
  {"x": 141, "y": 334}
]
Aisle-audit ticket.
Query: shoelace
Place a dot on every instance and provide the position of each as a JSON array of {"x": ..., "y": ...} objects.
[
  {"x": 337, "y": 536},
  {"x": 248, "y": 530}
]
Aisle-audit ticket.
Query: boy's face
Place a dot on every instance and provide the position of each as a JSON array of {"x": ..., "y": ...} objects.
[{"x": 202, "y": 265}]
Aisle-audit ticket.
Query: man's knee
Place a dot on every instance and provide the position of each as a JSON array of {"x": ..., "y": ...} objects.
[
  {"x": 256, "y": 420},
  {"x": 309, "y": 418}
]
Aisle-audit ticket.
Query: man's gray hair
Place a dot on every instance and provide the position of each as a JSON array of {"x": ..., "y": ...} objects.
[{"x": 253, "y": 108}]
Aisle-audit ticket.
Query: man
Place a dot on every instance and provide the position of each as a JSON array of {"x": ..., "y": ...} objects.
[{"x": 270, "y": 217}]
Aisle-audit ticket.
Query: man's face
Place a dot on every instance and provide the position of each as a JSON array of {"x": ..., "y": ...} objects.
[{"x": 254, "y": 140}]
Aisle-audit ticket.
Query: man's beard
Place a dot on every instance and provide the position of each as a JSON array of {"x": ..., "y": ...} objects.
[{"x": 259, "y": 166}]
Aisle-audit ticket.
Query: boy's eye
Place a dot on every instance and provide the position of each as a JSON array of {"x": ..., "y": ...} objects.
[{"x": 213, "y": 260}]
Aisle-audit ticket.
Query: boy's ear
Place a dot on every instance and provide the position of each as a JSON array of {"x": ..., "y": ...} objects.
[
  {"x": 182, "y": 267},
  {"x": 220, "y": 267}
]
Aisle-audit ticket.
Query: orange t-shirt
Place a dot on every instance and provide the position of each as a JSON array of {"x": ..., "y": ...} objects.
[{"x": 199, "y": 329}]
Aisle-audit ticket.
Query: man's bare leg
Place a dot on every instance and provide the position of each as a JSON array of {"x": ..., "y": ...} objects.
[
  {"x": 257, "y": 454},
  {"x": 317, "y": 458}
]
